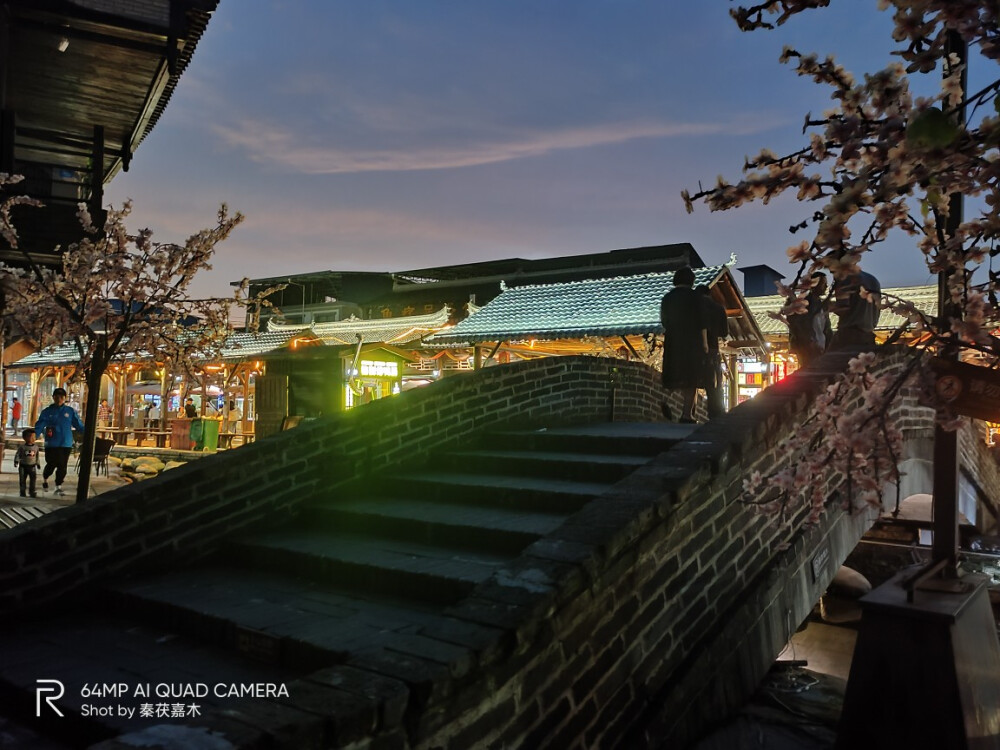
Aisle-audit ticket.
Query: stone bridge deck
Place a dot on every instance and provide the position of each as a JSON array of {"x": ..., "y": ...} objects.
[{"x": 428, "y": 572}]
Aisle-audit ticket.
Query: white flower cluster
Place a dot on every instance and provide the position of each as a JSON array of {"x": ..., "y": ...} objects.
[{"x": 880, "y": 161}]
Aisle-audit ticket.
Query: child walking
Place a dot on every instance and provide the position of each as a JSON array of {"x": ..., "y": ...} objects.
[{"x": 26, "y": 462}]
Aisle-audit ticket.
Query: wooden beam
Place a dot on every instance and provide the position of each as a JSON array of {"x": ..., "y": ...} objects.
[
  {"x": 156, "y": 44},
  {"x": 495, "y": 350},
  {"x": 97, "y": 171},
  {"x": 630, "y": 348}
]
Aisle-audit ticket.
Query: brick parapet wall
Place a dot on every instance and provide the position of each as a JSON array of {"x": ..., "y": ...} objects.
[
  {"x": 644, "y": 618},
  {"x": 655, "y": 611},
  {"x": 187, "y": 511}
]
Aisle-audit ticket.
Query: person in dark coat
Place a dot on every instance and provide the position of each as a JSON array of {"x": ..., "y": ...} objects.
[
  {"x": 716, "y": 327},
  {"x": 809, "y": 333},
  {"x": 857, "y": 314},
  {"x": 56, "y": 424},
  {"x": 685, "y": 341}
]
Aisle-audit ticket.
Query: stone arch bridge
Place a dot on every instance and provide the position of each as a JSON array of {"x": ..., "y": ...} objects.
[{"x": 517, "y": 557}]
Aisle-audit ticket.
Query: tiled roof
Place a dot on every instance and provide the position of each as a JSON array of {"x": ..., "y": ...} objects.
[
  {"x": 66, "y": 354},
  {"x": 394, "y": 331},
  {"x": 593, "y": 307},
  {"x": 923, "y": 297},
  {"x": 244, "y": 345},
  {"x": 237, "y": 346}
]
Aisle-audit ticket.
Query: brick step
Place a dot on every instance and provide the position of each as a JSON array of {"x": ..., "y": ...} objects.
[
  {"x": 80, "y": 647},
  {"x": 497, "y": 529},
  {"x": 12, "y": 515},
  {"x": 585, "y": 467},
  {"x": 619, "y": 438},
  {"x": 370, "y": 563},
  {"x": 528, "y": 493},
  {"x": 292, "y": 623}
]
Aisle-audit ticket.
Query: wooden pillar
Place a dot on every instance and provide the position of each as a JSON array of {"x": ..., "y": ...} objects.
[
  {"x": 734, "y": 381},
  {"x": 164, "y": 394},
  {"x": 121, "y": 398},
  {"x": 33, "y": 409},
  {"x": 245, "y": 422}
]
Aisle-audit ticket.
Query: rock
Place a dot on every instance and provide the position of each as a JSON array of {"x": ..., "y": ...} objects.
[
  {"x": 838, "y": 610},
  {"x": 149, "y": 465},
  {"x": 850, "y": 583},
  {"x": 173, "y": 465}
]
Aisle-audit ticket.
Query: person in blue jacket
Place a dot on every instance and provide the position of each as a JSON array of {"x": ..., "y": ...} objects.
[{"x": 55, "y": 425}]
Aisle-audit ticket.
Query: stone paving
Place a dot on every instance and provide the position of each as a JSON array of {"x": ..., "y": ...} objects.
[
  {"x": 48, "y": 501},
  {"x": 9, "y": 491}
]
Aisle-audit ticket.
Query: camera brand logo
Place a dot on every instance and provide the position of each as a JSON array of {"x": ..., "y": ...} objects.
[{"x": 52, "y": 690}]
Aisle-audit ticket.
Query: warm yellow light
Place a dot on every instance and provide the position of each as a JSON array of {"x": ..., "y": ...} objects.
[{"x": 375, "y": 368}]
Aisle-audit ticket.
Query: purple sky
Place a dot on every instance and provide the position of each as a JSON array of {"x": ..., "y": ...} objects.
[{"x": 384, "y": 135}]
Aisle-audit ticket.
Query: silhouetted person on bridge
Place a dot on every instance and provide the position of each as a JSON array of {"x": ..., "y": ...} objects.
[
  {"x": 810, "y": 333},
  {"x": 685, "y": 341},
  {"x": 856, "y": 303},
  {"x": 716, "y": 328}
]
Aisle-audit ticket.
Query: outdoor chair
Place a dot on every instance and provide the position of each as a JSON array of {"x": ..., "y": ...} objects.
[{"x": 102, "y": 449}]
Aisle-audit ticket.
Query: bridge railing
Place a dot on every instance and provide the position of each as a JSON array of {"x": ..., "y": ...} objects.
[{"x": 186, "y": 512}]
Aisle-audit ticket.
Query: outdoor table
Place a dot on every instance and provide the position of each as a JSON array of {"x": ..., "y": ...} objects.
[
  {"x": 226, "y": 439},
  {"x": 118, "y": 434},
  {"x": 159, "y": 437}
]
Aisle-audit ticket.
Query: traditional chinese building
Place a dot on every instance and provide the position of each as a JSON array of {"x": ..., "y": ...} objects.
[
  {"x": 383, "y": 333},
  {"x": 617, "y": 316}
]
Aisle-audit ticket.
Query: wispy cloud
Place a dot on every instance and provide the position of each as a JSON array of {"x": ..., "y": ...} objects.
[{"x": 285, "y": 147}]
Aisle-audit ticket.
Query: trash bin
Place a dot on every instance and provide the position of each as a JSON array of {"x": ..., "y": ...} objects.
[
  {"x": 205, "y": 434},
  {"x": 180, "y": 434}
]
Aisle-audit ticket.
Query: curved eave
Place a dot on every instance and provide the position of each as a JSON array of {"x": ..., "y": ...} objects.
[{"x": 550, "y": 335}]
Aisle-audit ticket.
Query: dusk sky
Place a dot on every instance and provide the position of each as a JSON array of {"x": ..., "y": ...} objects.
[{"x": 387, "y": 135}]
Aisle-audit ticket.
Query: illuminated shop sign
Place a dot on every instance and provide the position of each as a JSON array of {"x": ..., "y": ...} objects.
[{"x": 375, "y": 369}]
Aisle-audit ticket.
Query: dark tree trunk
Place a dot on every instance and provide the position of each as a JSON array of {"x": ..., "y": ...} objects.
[{"x": 94, "y": 375}]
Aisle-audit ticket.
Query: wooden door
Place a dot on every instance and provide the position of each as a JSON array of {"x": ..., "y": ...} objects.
[{"x": 271, "y": 404}]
